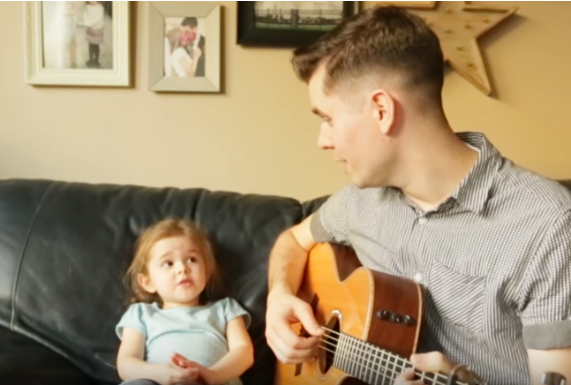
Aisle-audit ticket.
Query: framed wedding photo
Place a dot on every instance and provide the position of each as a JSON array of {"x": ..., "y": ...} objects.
[
  {"x": 184, "y": 46},
  {"x": 289, "y": 23},
  {"x": 77, "y": 43}
]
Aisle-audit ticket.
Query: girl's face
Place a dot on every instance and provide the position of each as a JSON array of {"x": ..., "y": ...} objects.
[{"x": 175, "y": 271}]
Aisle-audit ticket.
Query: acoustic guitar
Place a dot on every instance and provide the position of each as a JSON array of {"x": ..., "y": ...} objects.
[{"x": 371, "y": 320}]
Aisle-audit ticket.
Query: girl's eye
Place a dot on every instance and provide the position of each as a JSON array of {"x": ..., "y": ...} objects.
[
  {"x": 192, "y": 259},
  {"x": 167, "y": 264}
]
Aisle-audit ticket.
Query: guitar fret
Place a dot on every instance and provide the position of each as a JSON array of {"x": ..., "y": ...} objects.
[
  {"x": 346, "y": 360},
  {"x": 342, "y": 349},
  {"x": 392, "y": 360},
  {"x": 370, "y": 368},
  {"x": 346, "y": 352},
  {"x": 371, "y": 364},
  {"x": 361, "y": 364},
  {"x": 377, "y": 363},
  {"x": 356, "y": 361},
  {"x": 382, "y": 367}
]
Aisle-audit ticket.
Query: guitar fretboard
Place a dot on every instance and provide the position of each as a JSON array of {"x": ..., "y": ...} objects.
[{"x": 371, "y": 364}]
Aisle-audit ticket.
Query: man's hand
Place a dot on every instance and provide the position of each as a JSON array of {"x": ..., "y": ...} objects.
[
  {"x": 282, "y": 311},
  {"x": 430, "y": 362}
]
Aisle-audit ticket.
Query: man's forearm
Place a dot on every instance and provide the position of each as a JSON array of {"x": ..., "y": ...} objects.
[{"x": 286, "y": 265}]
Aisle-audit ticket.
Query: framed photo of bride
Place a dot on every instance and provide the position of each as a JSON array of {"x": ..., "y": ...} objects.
[
  {"x": 77, "y": 43},
  {"x": 184, "y": 46}
]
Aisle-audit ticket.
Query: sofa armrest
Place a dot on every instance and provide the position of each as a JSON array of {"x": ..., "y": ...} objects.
[{"x": 24, "y": 361}]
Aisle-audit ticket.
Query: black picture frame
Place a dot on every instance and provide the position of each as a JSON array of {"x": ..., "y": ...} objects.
[{"x": 250, "y": 36}]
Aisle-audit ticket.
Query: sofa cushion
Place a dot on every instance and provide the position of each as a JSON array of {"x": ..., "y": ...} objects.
[
  {"x": 64, "y": 249},
  {"x": 28, "y": 362}
]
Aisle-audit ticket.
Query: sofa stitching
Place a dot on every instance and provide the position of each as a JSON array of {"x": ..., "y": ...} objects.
[{"x": 24, "y": 247}]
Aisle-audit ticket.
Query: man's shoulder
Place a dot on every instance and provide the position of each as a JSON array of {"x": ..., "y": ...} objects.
[
  {"x": 530, "y": 188},
  {"x": 372, "y": 194}
]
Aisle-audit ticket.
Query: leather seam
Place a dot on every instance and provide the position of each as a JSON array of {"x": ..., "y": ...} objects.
[{"x": 24, "y": 247}]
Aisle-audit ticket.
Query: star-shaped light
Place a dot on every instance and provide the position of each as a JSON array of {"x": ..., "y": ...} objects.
[{"x": 458, "y": 26}]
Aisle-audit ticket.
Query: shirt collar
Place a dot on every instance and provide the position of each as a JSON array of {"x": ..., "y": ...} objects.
[{"x": 474, "y": 191}]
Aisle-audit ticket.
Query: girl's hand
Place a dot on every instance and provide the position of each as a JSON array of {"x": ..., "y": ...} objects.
[
  {"x": 204, "y": 375},
  {"x": 183, "y": 362},
  {"x": 174, "y": 374}
]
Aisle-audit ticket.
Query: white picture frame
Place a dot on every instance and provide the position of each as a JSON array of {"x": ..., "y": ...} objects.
[
  {"x": 51, "y": 30},
  {"x": 162, "y": 79}
]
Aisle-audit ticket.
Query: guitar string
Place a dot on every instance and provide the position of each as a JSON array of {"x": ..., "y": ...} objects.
[
  {"x": 401, "y": 361},
  {"x": 390, "y": 372},
  {"x": 398, "y": 360},
  {"x": 391, "y": 376}
]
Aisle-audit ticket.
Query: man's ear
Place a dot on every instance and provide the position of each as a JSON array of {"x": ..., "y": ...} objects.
[
  {"x": 145, "y": 282},
  {"x": 384, "y": 110}
]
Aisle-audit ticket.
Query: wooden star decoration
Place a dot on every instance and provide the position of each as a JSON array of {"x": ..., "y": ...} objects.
[{"x": 458, "y": 25}]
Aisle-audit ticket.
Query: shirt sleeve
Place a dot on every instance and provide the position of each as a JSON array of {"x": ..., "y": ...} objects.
[
  {"x": 232, "y": 309},
  {"x": 329, "y": 223},
  {"x": 546, "y": 290},
  {"x": 132, "y": 319}
]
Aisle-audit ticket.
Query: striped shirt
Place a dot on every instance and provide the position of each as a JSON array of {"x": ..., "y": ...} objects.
[{"x": 494, "y": 260}]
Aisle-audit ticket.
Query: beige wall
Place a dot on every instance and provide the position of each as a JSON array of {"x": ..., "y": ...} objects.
[{"x": 259, "y": 136}]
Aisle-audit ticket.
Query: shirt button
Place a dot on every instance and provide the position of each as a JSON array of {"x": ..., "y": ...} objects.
[
  {"x": 422, "y": 220},
  {"x": 418, "y": 277}
]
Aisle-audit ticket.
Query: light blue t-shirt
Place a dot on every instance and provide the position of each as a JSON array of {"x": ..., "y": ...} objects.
[{"x": 196, "y": 332}]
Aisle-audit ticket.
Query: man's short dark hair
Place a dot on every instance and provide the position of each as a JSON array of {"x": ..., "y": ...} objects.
[
  {"x": 189, "y": 22},
  {"x": 380, "y": 40}
]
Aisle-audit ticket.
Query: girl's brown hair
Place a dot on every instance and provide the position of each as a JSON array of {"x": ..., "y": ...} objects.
[{"x": 168, "y": 228}]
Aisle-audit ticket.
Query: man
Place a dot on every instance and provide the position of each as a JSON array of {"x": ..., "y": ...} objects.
[
  {"x": 190, "y": 25},
  {"x": 489, "y": 242}
]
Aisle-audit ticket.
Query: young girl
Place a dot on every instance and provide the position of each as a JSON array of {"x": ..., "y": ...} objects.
[
  {"x": 174, "y": 333},
  {"x": 94, "y": 21}
]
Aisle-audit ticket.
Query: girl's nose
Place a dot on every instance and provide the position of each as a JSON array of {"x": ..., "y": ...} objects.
[{"x": 182, "y": 268}]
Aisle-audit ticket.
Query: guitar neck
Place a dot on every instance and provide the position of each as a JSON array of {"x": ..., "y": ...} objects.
[{"x": 372, "y": 364}]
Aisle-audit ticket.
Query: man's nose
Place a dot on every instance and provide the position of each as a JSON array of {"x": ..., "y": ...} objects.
[{"x": 324, "y": 138}]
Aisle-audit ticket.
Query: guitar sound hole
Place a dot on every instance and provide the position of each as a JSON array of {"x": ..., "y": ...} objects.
[{"x": 328, "y": 344}]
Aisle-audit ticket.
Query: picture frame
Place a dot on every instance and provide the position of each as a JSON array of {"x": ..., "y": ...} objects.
[
  {"x": 185, "y": 47},
  {"x": 409, "y": 4},
  {"x": 275, "y": 33},
  {"x": 77, "y": 44}
]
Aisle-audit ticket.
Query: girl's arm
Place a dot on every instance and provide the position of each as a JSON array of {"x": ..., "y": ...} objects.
[
  {"x": 239, "y": 358},
  {"x": 131, "y": 363}
]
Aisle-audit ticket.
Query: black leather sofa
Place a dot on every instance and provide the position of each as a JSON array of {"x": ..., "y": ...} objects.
[{"x": 64, "y": 248}]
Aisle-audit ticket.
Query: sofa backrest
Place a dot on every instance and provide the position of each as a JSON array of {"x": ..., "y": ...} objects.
[{"x": 64, "y": 249}]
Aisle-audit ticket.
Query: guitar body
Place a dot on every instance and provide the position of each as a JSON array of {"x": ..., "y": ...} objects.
[{"x": 378, "y": 308}]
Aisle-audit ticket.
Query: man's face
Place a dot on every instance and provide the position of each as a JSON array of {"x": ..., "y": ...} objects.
[{"x": 350, "y": 129}]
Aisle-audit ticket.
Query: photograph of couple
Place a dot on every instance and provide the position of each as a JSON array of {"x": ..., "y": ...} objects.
[{"x": 184, "y": 47}]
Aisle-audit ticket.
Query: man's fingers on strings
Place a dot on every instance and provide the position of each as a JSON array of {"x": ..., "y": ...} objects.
[
  {"x": 305, "y": 315},
  {"x": 287, "y": 354}
]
